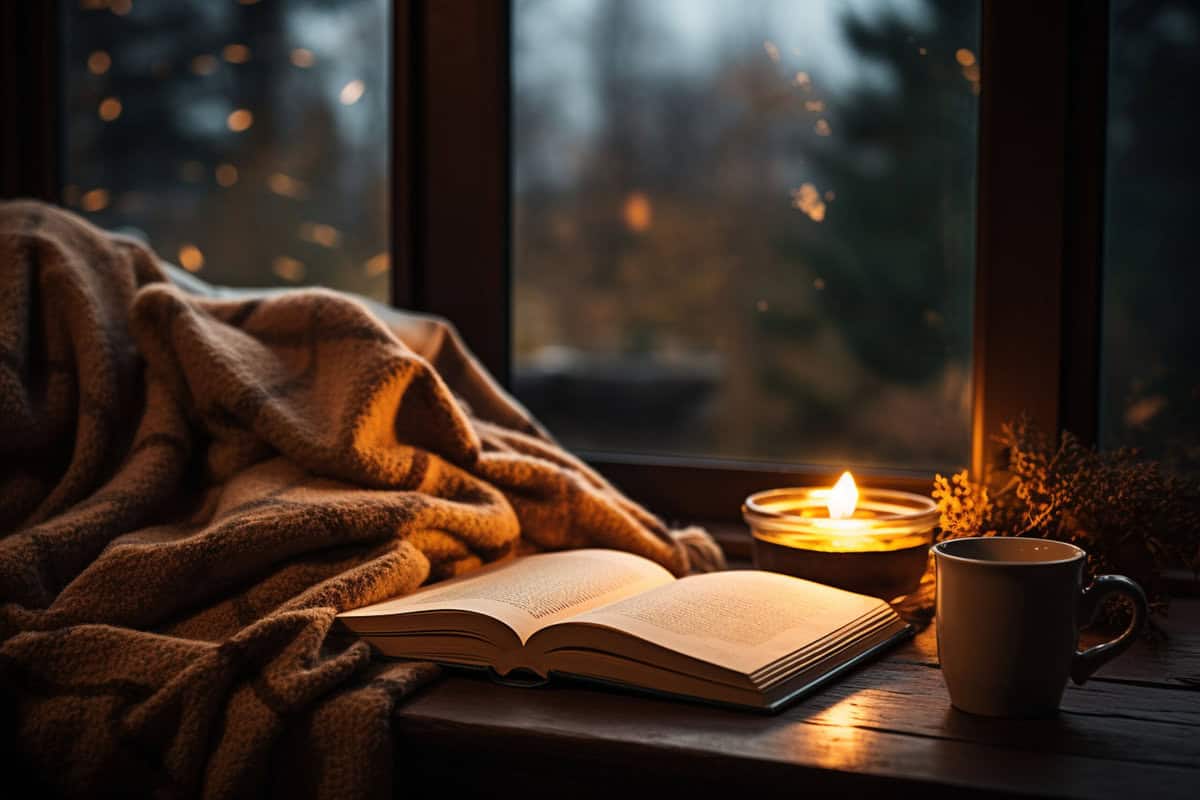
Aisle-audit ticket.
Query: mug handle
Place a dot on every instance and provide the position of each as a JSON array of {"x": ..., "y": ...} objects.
[{"x": 1088, "y": 661}]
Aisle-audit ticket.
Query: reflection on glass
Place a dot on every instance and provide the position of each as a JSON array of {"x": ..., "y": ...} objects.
[
  {"x": 1150, "y": 384},
  {"x": 746, "y": 229},
  {"x": 247, "y": 142}
]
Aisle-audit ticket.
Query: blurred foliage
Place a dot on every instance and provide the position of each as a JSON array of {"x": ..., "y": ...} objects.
[
  {"x": 813, "y": 238},
  {"x": 300, "y": 196},
  {"x": 815, "y": 235},
  {"x": 1150, "y": 386},
  {"x": 898, "y": 254}
]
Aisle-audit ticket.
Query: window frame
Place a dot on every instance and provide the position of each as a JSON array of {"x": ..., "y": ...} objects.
[
  {"x": 1042, "y": 124},
  {"x": 29, "y": 83},
  {"x": 1040, "y": 182}
]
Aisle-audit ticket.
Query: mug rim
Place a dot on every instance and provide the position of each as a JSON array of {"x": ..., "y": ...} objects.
[{"x": 1078, "y": 554}]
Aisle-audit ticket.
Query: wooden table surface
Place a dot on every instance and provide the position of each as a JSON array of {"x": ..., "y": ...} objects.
[{"x": 1133, "y": 731}]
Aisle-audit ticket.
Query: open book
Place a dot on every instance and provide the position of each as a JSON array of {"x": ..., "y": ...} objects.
[{"x": 741, "y": 637}]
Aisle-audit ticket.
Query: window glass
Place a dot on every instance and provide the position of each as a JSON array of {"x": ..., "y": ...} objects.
[
  {"x": 745, "y": 228},
  {"x": 246, "y": 141},
  {"x": 1150, "y": 365}
]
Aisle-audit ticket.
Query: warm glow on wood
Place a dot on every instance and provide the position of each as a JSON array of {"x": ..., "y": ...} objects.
[{"x": 843, "y": 498}]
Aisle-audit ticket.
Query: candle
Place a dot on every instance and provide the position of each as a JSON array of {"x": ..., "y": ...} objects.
[{"x": 873, "y": 541}]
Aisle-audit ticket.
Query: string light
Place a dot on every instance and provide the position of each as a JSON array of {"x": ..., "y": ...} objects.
[
  {"x": 288, "y": 268},
  {"x": 226, "y": 174},
  {"x": 94, "y": 200},
  {"x": 236, "y": 53},
  {"x": 99, "y": 62},
  {"x": 637, "y": 212},
  {"x": 377, "y": 264},
  {"x": 970, "y": 67},
  {"x": 285, "y": 185},
  {"x": 303, "y": 58},
  {"x": 190, "y": 258},
  {"x": 204, "y": 64},
  {"x": 239, "y": 120},
  {"x": 110, "y": 109},
  {"x": 822, "y": 128},
  {"x": 808, "y": 200},
  {"x": 320, "y": 233},
  {"x": 352, "y": 92}
]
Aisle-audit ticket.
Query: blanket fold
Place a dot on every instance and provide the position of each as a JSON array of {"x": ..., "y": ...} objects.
[{"x": 192, "y": 487}]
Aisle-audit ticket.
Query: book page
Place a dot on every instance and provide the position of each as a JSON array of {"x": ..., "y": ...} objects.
[
  {"x": 533, "y": 592},
  {"x": 741, "y": 620}
]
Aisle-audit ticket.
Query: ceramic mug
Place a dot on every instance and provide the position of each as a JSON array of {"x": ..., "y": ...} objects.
[{"x": 1008, "y": 617}]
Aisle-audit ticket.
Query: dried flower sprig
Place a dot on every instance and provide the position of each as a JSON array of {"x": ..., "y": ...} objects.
[{"x": 1131, "y": 516}]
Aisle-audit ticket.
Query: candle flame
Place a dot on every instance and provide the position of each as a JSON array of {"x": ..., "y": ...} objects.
[{"x": 843, "y": 497}]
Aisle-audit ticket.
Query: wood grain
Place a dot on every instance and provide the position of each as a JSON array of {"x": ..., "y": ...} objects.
[
  {"x": 883, "y": 729},
  {"x": 1171, "y": 659},
  {"x": 857, "y": 740}
]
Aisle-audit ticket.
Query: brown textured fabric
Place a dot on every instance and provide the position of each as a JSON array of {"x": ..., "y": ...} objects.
[{"x": 191, "y": 488}]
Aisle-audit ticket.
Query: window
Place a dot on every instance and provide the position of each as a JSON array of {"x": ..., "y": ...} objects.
[
  {"x": 246, "y": 141},
  {"x": 718, "y": 246},
  {"x": 1151, "y": 350},
  {"x": 746, "y": 230}
]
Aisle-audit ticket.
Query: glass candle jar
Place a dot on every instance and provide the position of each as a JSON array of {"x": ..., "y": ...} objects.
[{"x": 881, "y": 548}]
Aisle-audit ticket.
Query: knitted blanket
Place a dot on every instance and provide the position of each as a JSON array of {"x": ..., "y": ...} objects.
[{"x": 191, "y": 488}]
